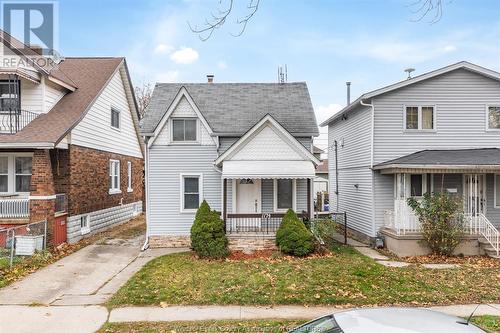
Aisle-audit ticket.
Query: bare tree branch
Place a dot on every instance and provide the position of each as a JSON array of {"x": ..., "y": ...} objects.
[
  {"x": 219, "y": 19},
  {"x": 425, "y": 8},
  {"x": 143, "y": 95}
]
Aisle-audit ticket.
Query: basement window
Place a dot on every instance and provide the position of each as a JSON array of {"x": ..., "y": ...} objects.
[{"x": 85, "y": 224}]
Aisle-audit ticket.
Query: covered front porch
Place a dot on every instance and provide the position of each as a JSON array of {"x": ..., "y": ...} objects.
[
  {"x": 257, "y": 194},
  {"x": 473, "y": 176}
]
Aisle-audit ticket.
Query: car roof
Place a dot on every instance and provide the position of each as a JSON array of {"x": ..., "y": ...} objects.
[{"x": 408, "y": 320}]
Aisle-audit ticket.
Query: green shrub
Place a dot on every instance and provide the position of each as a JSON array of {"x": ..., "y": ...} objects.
[
  {"x": 293, "y": 237},
  {"x": 208, "y": 238},
  {"x": 441, "y": 221}
]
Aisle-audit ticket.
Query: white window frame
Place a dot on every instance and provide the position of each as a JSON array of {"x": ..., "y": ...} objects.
[
  {"x": 181, "y": 190},
  {"x": 11, "y": 182},
  {"x": 129, "y": 177},
  {"x": 86, "y": 229},
  {"x": 487, "y": 117},
  {"x": 6, "y": 174},
  {"x": 190, "y": 142},
  {"x": 494, "y": 190},
  {"x": 420, "y": 129},
  {"x": 114, "y": 109},
  {"x": 113, "y": 189},
  {"x": 406, "y": 184},
  {"x": 275, "y": 196}
]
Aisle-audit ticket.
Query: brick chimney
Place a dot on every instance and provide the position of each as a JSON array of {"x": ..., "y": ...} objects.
[{"x": 210, "y": 78}]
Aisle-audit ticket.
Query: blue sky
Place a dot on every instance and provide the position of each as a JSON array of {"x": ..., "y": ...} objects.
[{"x": 324, "y": 43}]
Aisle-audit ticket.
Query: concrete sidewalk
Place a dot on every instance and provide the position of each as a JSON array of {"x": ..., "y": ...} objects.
[{"x": 174, "y": 313}]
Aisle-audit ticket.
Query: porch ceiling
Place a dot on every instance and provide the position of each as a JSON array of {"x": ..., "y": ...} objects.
[
  {"x": 267, "y": 169},
  {"x": 445, "y": 161}
]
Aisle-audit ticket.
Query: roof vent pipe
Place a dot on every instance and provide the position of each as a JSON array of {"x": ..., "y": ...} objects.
[
  {"x": 210, "y": 78},
  {"x": 348, "y": 84}
]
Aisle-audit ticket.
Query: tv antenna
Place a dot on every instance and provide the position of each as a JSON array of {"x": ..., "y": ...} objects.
[{"x": 282, "y": 74}]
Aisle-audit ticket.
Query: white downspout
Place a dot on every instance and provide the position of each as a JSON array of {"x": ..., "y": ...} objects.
[{"x": 146, "y": 180}]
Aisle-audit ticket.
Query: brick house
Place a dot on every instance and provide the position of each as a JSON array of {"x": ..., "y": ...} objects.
[{"x": 69, "y": 146}]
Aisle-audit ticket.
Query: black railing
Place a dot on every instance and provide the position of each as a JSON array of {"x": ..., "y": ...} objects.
[
  {"x": 13, "y": 121},
  {"x": 254, "y": 223}
]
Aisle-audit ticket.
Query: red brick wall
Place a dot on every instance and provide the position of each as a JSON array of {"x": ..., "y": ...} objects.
[
  {"x": 60, "y": 169},
  {"x": 42, "y": 184},
  {"x": 89, "y": 180}
]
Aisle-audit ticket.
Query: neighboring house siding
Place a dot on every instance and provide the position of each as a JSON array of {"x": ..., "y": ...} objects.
[
  {"x": 492, "y": 213},
  {"x": 166, "y": 164},
  {"x": 95, "y": 131},
  {"x": 460, "y": 98},
  {"x": 102, "y": 219},
  {"x": 383, "y": 194},
  {"x": 354, "y": 169}
]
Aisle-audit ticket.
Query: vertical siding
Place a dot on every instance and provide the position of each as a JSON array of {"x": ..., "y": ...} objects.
[
  {"x": 492, "y": 213},
  {"x": 354, "y": 169},
  {"x": 460, "y": 98},
  {"x": 166, "y": 165},
  {"x": 95, "y": 131}
]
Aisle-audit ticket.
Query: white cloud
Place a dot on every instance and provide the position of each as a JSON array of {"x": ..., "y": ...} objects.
[
  {"x": 167, "y": 77},
  {"x": 450, "y": 48},
  {"x": 163, "y": 49},
  {"x": 185, "y": 55},
  {"x": 323, "y": 112},
  {"x": 222, "y": 64}
]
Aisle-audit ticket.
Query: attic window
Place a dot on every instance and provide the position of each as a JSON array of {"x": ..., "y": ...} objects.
[
  {"x": 115, "y": 118},
  {"x": 184, "y": 130}
]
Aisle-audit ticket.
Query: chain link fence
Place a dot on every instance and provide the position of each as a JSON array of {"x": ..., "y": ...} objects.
[{"x": 20, "y": 241}]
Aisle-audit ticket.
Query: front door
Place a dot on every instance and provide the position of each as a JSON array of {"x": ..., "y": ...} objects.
[
  {"x": 248, "y": 196},
  {"x": 475, "y": 194}
]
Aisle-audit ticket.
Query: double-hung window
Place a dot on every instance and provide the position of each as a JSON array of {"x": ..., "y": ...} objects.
[
  {"x": 114, "y": 176},
  {"x": 419, "y": 118},
  {"x": 184, "y": 130},
  {"x": 115, "y": 118},
  {"x": 190, "y": 192},
  {"x": 284, "y": 194},
  {"x": 4, "y": 174},
  {"x": 494, "y": 117},
  {"x": 129, "y": 176},
  {"x": 23, "y": 173},
  {"x": 9, "y": 97}
]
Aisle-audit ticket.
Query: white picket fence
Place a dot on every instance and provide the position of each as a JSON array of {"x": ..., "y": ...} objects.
[{"x": 14, "y": 208}]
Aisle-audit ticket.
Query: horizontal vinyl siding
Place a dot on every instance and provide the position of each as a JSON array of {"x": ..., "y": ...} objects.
[
  {"x": 354, "y": 168},
  {"x": 356, "y": 202},
  {"x": 492, "y": 213},
  {"x": 52, "y": 95},
  {"x": 31, "y": 96},
  {"x": 383, "y": 193},
  {"x": 267, "y": 196},
  {"x": 95, "y": 131},
  {"x": 166, "y": 163},
  {"x": 460, "y": 99}
]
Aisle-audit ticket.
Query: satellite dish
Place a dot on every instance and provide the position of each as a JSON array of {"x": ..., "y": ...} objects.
[{"x": 409, "y": 71}]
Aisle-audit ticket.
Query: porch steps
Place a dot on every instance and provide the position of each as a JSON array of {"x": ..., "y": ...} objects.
[{"x": 487, "y": 248}]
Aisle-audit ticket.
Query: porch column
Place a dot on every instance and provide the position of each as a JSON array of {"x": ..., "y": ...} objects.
[
  {"x": 224, "y": 202},
  {"x": 42, "y": 191},
  {"x": 309, "y": 198}
]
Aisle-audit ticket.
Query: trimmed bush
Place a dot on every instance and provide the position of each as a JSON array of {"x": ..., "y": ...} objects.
[
  {"x": 293, "y": 237},
  {"x": 208, "y": 238}
]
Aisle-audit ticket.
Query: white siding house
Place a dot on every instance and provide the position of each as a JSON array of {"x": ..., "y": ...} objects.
[{"x": 408, "y": 138}]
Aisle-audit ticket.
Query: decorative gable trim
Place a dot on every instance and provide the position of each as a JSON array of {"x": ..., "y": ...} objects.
[
  {"x": 164, "y": 120},
  {"x": 267, "y": 119}
]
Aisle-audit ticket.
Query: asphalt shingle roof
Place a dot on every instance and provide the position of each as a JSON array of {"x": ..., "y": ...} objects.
[
  {"x": 233, "y": 108},
  {"x": 484, "y": 156}
]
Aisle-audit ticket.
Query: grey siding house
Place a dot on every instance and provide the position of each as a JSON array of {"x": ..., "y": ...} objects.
[
  {"x": 439, "y": 131},
  {"x": 244, "y": 148}
]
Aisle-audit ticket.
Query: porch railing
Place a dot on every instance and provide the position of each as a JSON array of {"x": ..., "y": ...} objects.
[
  {"x": 13, "y": 121},
  {"x": 14, "y": 208},
  {"x": 480, "y": 225},
  {"x": 402, "y": 219},
  {"x": 266, "y": 223}
]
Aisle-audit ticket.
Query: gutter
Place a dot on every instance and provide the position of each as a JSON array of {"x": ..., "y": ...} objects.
[{"x": 146, "y": 181}]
